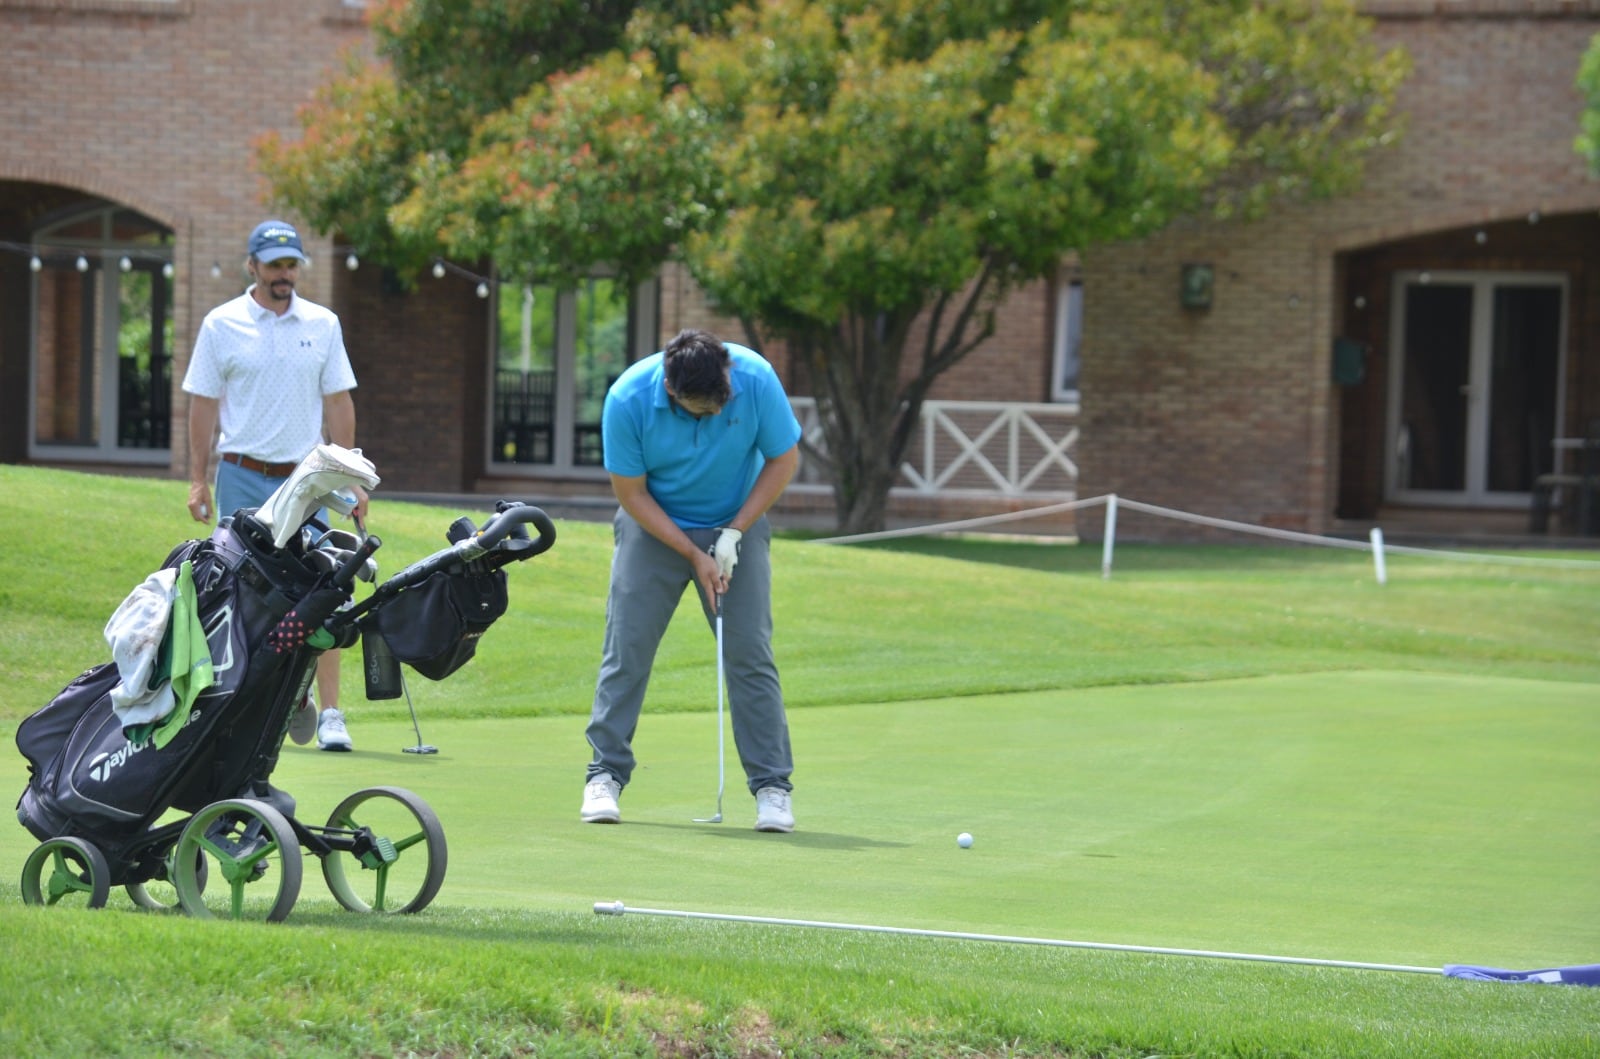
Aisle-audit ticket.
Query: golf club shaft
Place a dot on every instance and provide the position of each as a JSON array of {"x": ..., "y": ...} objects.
[
  {"x": 722, "y": 753},
  {"x": 617, "y": 908}
]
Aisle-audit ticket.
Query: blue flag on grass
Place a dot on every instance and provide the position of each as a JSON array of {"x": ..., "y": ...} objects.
[{"x": 1585, "y": 974}]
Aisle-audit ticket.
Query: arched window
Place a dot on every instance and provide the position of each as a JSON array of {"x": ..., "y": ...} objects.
[{"x": 102, "y": 337}]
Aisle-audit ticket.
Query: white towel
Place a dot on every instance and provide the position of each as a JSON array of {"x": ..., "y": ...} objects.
[{"x": 134, "y": 632}]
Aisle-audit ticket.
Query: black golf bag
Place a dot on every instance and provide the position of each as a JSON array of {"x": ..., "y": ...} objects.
[
  {"x": 88, "y": 778},
  {"x": 268, "y": 613}
]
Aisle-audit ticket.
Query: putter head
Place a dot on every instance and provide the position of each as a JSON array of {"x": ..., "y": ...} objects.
[
  {"x": 709, "y": 819},
  {"x": 420, "y": 748}
]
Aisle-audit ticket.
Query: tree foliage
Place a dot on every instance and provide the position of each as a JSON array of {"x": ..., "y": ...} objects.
[
  {"x": 834, "y": 172},
  {"x": 1588, "y": 142}
]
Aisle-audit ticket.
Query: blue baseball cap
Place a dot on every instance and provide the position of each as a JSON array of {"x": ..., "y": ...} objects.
[{"x": 275, "y": 239}]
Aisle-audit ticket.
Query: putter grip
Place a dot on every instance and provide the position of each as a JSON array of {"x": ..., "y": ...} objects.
[{"x": 608, "y": 908}]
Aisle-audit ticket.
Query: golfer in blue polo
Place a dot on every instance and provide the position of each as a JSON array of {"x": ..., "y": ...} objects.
[{"x": 700, "y": 441}]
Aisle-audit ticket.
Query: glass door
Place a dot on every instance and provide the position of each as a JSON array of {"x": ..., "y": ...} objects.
[
  {"x": 102, "y": 338},
  {"x": 1474, "y": 385},
  {"x": 557, "y": 351}
]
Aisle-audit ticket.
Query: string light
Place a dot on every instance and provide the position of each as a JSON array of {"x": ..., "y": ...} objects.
[
  {"x": 128, "y": 259},
  {"x": 41, "y": 254}
]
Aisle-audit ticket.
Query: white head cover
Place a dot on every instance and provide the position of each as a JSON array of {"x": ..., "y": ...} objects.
[{"x": 315, "y": 483}]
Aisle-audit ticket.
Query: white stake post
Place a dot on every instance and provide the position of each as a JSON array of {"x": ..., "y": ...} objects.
[
  {"x": 1377, "y": 555},
  {"x": 1110, "y": 543}
]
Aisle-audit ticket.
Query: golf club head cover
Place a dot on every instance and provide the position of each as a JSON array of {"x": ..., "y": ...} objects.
[
  {"x": 726, "y": 550},
  {"x": 306, "y": 618}
]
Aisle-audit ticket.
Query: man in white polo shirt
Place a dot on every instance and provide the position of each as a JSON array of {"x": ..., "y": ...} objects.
[{"x": 270, "y": 367}]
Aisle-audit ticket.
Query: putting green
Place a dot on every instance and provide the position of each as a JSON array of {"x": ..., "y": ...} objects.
[{"x": 1406, "y": 818}]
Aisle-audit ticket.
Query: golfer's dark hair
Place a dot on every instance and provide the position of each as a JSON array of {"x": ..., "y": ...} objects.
[{"x": 696, "y": 364}]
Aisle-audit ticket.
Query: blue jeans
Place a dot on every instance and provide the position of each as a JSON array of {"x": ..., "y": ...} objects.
[
  {"x": 647, "y": 581},
  {"x": 237, "y": 488}
]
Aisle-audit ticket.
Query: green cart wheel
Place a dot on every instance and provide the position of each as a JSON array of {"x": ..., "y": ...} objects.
[
  {"x": 69, "y": 871},
  {"x": 251, "y": 845},
  {"x": 398, "y": 861},
  {"x": 161, "y": 894}
]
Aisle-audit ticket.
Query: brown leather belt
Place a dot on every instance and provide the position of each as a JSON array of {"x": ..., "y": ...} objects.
[{"x": 250, "y": 463}]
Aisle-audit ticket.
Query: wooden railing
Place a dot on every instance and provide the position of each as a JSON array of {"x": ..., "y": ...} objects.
[{"x": 973, "y": 449}]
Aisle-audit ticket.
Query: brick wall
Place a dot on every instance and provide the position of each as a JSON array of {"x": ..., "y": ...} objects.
[
  {"x": 1231, "y": 412},
  {"x": 156, "y": 105},
  {"x": 420, "y": 358}
]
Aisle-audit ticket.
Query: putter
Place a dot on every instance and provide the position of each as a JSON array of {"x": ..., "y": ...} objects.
[
  {"x": 722, "y": 756},
  {"x": 421, "y": 747}
]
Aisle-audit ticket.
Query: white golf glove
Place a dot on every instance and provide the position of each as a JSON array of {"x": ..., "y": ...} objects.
[{"x": 726, "y": 550}]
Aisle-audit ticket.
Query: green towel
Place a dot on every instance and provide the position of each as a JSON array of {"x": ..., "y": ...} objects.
[{"x": 190, "y": 658}]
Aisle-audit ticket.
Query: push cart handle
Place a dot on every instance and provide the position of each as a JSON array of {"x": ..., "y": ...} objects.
[{"x": 510, "y": 515}]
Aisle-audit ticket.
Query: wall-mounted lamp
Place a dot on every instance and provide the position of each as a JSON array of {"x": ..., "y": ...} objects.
[{"x": 1195, "y": 289}]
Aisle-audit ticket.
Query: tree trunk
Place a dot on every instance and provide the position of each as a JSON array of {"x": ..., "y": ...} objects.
[{"x": 867, "y": 405}]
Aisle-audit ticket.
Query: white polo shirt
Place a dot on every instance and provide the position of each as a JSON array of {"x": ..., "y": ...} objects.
[{"x": 269, "y": 374}]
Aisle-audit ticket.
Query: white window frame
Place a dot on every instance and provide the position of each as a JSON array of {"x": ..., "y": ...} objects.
[
  {"x": 1067, "y": 341},
  {"x": 644, "y": 314}
]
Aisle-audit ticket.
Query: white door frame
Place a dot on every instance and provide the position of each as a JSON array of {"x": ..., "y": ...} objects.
[{"x": 1476, "y": 492}]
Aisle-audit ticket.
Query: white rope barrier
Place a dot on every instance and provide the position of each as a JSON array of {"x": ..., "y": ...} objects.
[
  {"x": 617, "y": 908},
  {"x": 1112, "y": 502}
]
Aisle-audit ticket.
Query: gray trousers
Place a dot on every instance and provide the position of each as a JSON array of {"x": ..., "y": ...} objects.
[{"x": 647, "y": 581}]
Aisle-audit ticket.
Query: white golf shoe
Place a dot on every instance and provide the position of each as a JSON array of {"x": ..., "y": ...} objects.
[
  {"x": 772, "y": 810},
  {"x": 331, "y": 732},
  {"x": 600, "y": 801}
]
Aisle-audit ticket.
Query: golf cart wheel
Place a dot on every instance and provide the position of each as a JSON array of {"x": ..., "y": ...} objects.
[
  {"x": 396, "y": 858},
  {"x": 251, "y": 844},
  {"x": 67, "y": 871},
  {"x": 161, "y": 894}
]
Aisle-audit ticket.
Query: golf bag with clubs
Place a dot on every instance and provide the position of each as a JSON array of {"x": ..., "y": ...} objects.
[{"x": 106, "y": 800}]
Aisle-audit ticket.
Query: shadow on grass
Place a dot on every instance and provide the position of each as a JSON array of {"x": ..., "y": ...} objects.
[{"x": 806, "y": 839}]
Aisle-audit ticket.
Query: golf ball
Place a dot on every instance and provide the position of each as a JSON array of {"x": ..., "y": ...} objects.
[{"x": 964, "y": 840}]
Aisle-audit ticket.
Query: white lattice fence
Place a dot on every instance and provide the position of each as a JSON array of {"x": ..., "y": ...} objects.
[{"x": 974, "y": 449}]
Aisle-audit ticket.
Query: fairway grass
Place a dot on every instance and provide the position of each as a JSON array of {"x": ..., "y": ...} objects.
[
  {"x": 1371, "y": 817},
  {"x": 1255, "y": 751}
]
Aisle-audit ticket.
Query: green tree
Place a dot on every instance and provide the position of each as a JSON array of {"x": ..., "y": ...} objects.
[
  {"x": 1588, "y": 142},
  {"x": 866, "y": 180}
]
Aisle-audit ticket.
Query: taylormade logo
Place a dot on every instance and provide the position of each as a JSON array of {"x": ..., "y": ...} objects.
[{"x": 103, "y": 767}]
